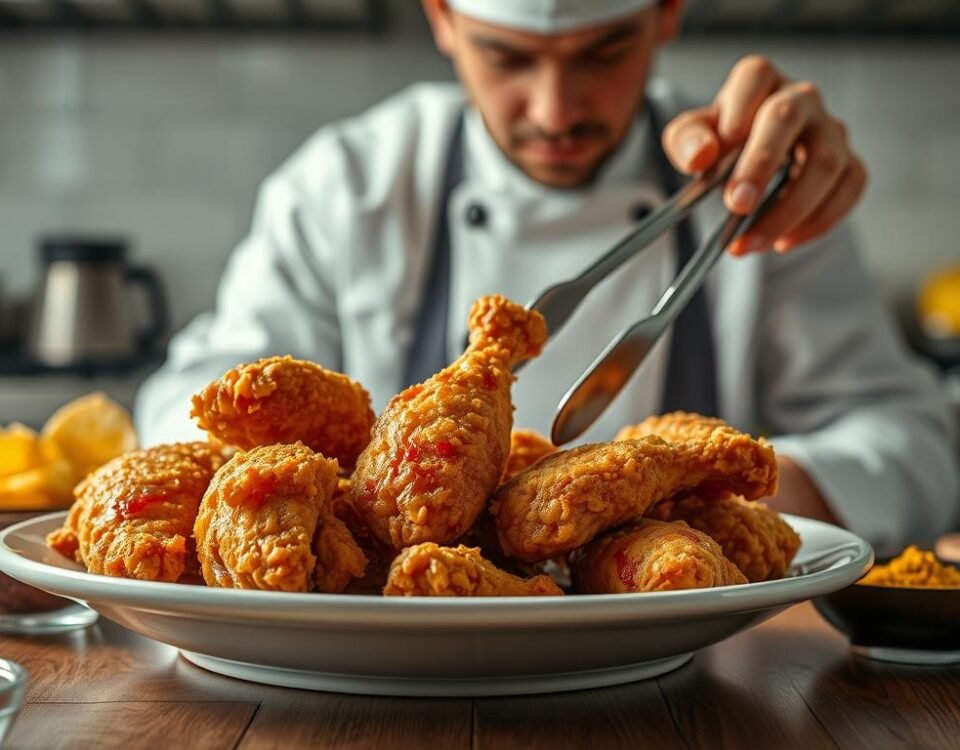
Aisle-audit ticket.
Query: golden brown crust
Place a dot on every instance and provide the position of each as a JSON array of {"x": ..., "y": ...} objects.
[
  {"x": 66, "y": 540},
  {"x": 340, "y": 559},
  {"x": 286, "y": 400},
  {"x": 752, "y": 536},
  {"x": 439, "y": 448},
  {"x": 568, "y": 498},
  {"x": 674, "y": 427},
  {"x": 133, "y": 517},
  {"x": 257, "y": 521},
  {"x": 526, "y": 448},
  {"x": 652, "y": 556},
  {"x": 430, "y": 570},
  {"x": 505, "y": 329}
]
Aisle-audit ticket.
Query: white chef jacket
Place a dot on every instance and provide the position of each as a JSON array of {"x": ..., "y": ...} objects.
[{"x": 337, "y": 258}]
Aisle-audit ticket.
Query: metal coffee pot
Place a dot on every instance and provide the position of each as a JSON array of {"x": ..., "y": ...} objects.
[{"x": 83, "y": 314}]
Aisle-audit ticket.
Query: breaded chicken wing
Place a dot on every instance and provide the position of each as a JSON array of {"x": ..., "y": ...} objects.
[
  {"x": 286, "y": 400},
  {"x": 754, "y": 537},
  {"x": 568, "y": 498},
  {"x": 652, "y": 556},
  {"x": 257, "y": 521},
  {"x": 430, "y": 570},
  {"x": 133, "y": 517},
  {"x": 439, "y": 449},
  {"x": 526, "y": 448}
]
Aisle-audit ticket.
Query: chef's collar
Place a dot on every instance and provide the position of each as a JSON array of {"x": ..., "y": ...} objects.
[{"x": 487, "y": 164}]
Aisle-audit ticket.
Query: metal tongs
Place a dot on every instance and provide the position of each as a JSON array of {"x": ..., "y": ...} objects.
[{"x": 609, "y": 372}]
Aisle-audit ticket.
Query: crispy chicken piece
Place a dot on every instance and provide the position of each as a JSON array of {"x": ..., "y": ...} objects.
[
  {"x": 568, "y": 498},
  {"x": 754, "y": 537},
  {"x": 340, "y": 558},
  {"x": 66, "y": 539},
  {"x": 430, "y": 570},
  {"x": 526, "y": 448},
  {"x": 652, "y": 556},
  {"x": 439, "y": 449},
  {"x": 133, "y": 517},
  {"x": 674, "y": 427},
  {"x": 379, "y": 555},
  {"x": 258, "y": 519},
  {"x": 286, "y": 400}
]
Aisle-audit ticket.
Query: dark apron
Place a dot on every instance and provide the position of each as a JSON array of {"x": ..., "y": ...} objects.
[{"x": 691, "y": 372}]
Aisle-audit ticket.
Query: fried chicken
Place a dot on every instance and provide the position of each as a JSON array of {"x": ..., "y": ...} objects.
[
  {"x": 568, "y": 498},
  {"x": 674, "y": 427},
  {"x": 652, "y": 556},
  {"x": 430, "y": 570},
  {"x": 133, "y": 517},
  {"x": 754, "y": 537},
  {"x": 526, "y": 448},
  {"x": 440, "y": 448},
  {"x": 286, "y": 400},
  {"x": 258, "y": 520},
  {"x": 340, "y": 558},
  {"x": 66, "y": 539}
]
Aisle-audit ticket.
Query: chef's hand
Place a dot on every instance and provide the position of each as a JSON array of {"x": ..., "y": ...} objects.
[{"x": 771, "y": 114}]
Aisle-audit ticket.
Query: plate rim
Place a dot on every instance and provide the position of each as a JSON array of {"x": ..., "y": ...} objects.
[{"x": 420, "y": 613}]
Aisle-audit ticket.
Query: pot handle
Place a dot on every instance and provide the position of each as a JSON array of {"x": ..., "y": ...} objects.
[{"x": 159, "y": 311}]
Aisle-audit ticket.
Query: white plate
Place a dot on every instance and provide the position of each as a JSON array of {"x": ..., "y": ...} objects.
[{"x": 397, "y": 646}]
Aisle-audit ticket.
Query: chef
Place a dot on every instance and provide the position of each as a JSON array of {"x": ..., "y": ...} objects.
[{"x": 370, "y": 244}]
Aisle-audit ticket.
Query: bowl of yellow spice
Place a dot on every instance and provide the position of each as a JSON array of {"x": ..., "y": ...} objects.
[{"x": 905, "y": 609}]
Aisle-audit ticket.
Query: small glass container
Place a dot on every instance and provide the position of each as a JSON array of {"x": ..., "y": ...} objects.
[
  {"x": 28, "y": 610},
  {"x": 13, "y": 684}
]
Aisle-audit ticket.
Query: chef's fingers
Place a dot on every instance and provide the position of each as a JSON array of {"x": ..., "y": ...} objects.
[
  {"x": 823, "y": 156},
  {"x": 690, "y": 140},
  {"x": 752, "y": 80},
  {"x": 836, "y": 207},
  {"x": 782, "y": 118}
]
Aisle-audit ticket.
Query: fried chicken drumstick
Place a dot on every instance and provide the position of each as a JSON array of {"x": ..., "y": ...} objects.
[
  {"x": 439, "y": 449},
  {"x": 430, "y": 570},
  {"x": 652, "y": 556},
  {"x": 568, "y": 498},
  {"x": 133, "y": 517},
  {"x": 751, "y": 535},
  {"x": 286, "y": 400}
]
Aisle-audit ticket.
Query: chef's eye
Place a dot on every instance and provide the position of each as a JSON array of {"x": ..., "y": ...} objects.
[
  {"x": 502, "y": 60},
  {"x": 608, "y": 54}
]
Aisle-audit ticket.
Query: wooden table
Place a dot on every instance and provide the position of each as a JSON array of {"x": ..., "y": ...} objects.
[{"x": 789, "y": 683}]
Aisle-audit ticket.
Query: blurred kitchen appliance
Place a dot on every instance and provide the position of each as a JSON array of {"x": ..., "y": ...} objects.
[{"x": 82, "y": 315}]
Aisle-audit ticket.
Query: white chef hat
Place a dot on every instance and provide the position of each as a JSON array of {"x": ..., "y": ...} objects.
[{"x": 548, "y": 16}]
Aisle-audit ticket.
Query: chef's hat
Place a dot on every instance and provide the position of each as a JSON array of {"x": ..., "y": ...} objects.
[{"x": 548, "y": 16}]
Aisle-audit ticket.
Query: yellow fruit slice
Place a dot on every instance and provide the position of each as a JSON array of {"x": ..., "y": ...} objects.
[
  {"x": 91, "y": 431},
  {"x": 20, "y": 450},
  {"x": 47, "y": 486}
]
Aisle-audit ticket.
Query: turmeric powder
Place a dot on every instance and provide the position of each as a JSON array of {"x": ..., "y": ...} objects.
[{"x": 916, "y": 568}]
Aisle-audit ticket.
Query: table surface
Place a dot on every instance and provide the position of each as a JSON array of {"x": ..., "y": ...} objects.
[{"x": 788, "y": 683}]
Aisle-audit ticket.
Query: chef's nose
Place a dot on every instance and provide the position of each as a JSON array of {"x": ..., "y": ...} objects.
[{"x": 554, "y": 105}]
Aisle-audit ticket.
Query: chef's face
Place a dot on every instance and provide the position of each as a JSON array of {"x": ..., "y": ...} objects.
[{"x": 556, "y": 105}]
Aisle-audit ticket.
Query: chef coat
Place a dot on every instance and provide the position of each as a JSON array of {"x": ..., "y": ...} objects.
[{"x": 342, "y": 246}]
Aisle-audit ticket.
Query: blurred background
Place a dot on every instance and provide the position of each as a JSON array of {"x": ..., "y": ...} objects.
[{"x": 149, "y": 124}]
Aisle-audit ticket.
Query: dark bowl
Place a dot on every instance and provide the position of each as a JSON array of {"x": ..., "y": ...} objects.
[{"x": 913, "y": 625}]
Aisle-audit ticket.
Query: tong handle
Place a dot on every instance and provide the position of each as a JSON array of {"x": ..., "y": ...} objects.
[{"x": 558, "y": 302}]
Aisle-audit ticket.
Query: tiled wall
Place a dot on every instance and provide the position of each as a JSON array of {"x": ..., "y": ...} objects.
[{"x": 166, "y": 139}]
